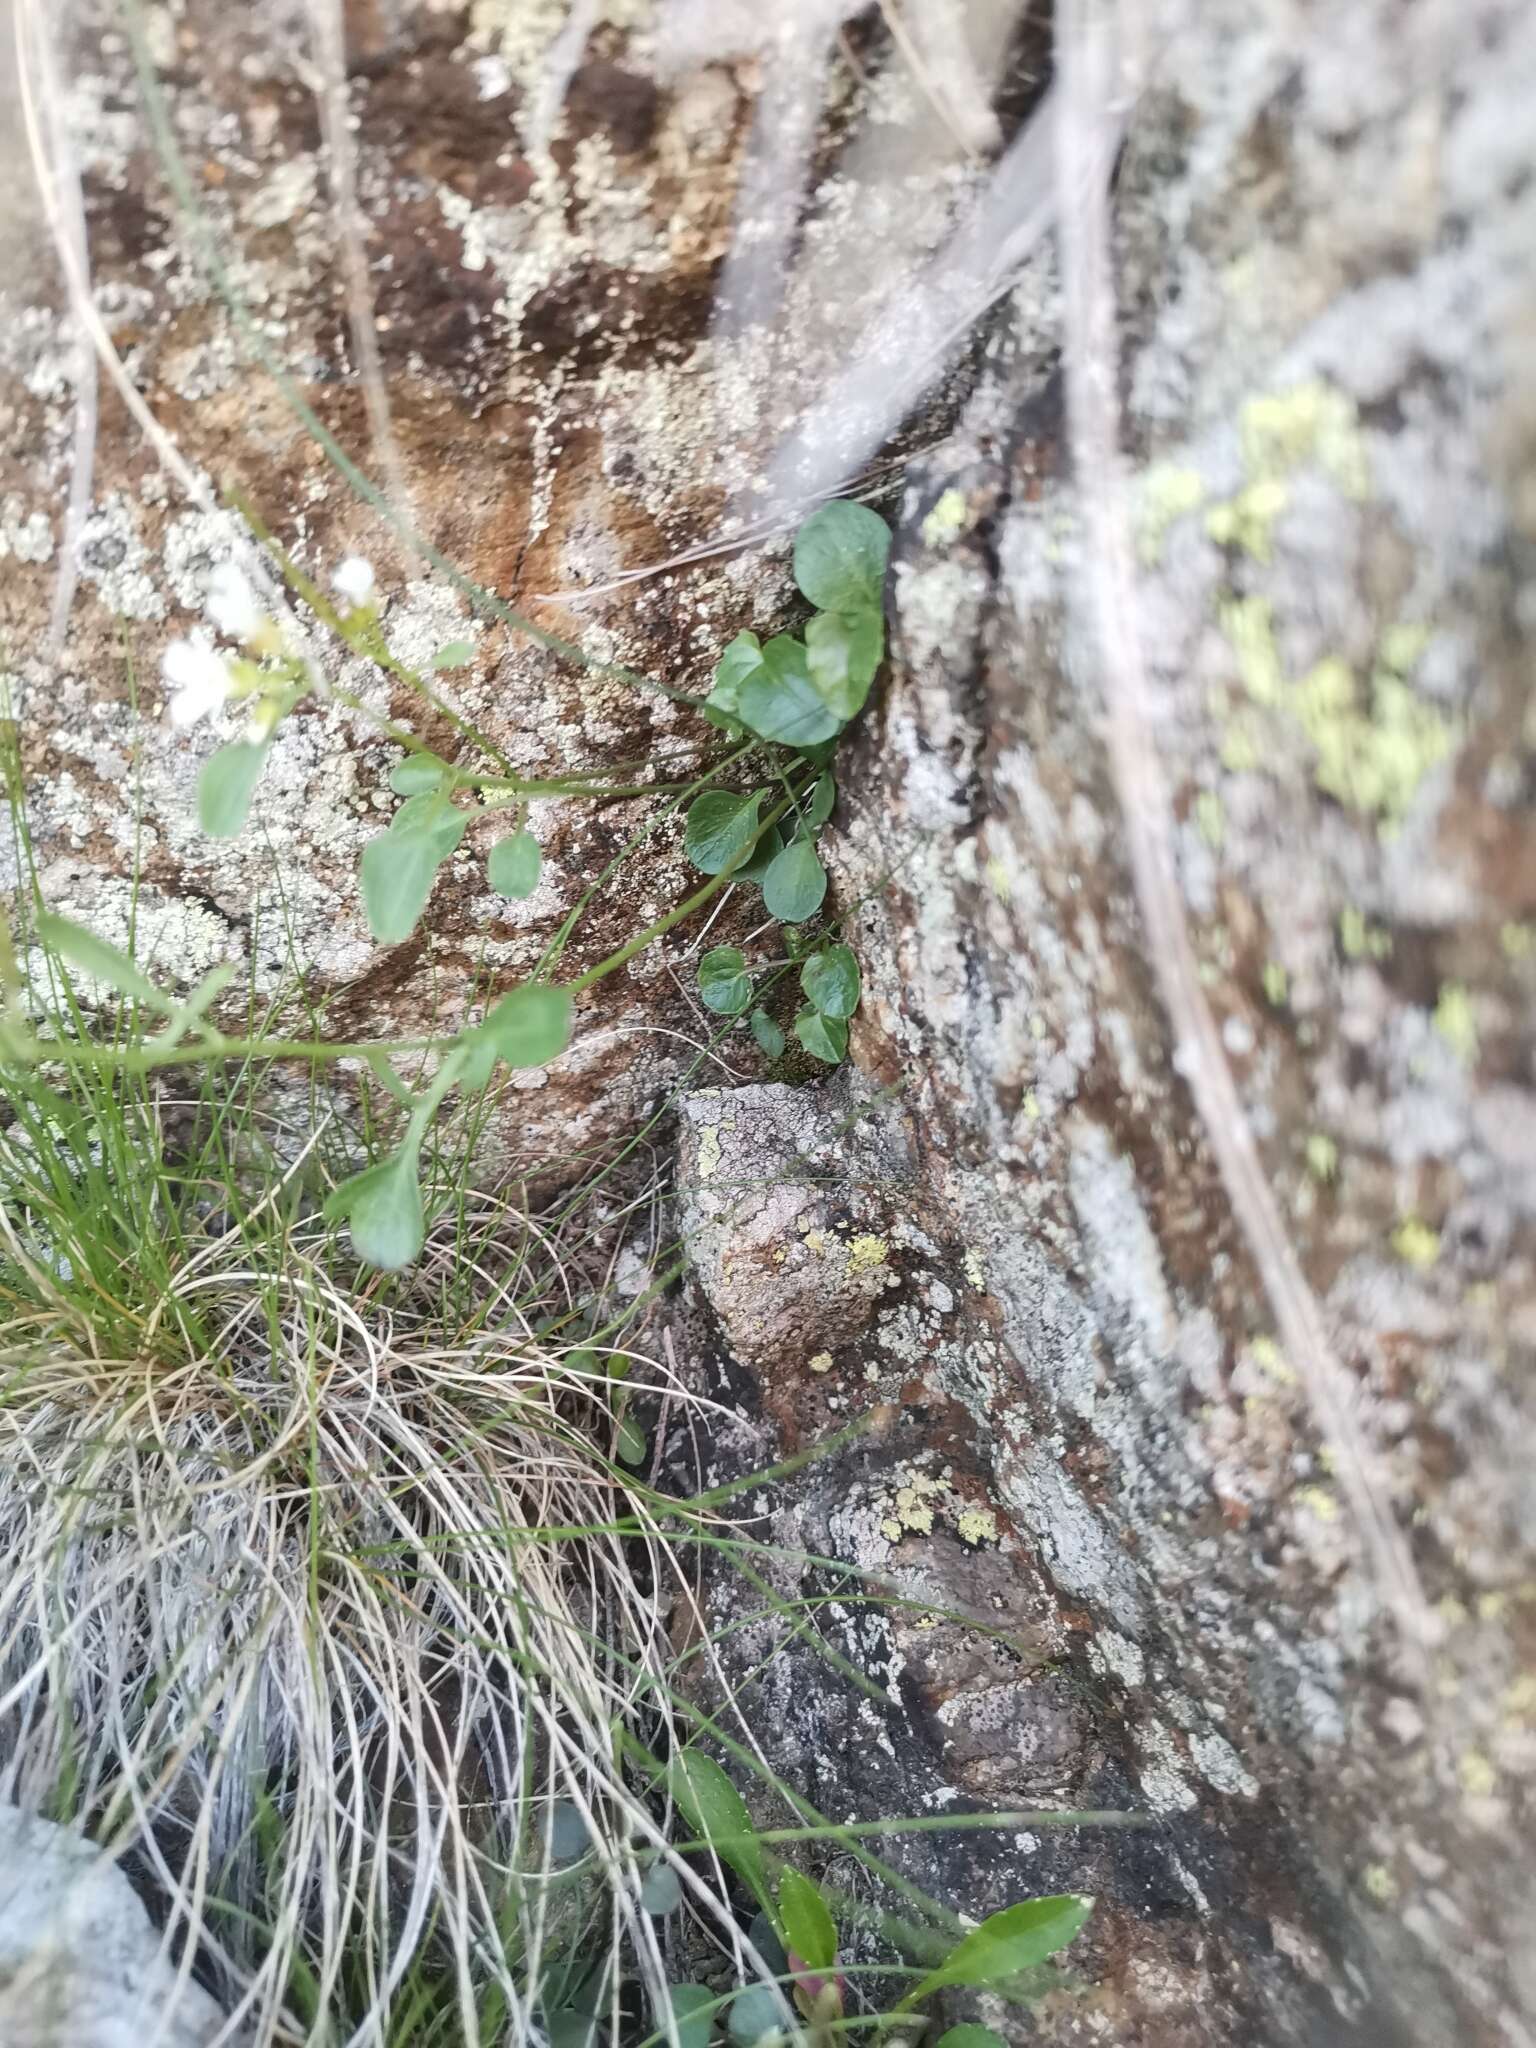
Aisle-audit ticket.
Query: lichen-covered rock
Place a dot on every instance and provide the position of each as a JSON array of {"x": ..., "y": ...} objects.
[
  {"x": 1327, "y": 259},
  {"x": 541, "y": 226},
  {"x": 1326, "y": 245},
  {"x": 80, "y": 1964}
]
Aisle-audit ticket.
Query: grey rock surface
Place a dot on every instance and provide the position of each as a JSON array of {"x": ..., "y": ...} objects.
[{"x": 80, "y": 1964}]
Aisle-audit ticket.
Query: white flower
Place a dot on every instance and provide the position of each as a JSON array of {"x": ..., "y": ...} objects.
[
  {"x": 354, "y": 580},
  {"x": 231, "y": 603},
  {"x": 198, "y": 678}
]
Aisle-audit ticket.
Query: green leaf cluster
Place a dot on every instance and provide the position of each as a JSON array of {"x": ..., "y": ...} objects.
[{"x": 801, "y": 693}]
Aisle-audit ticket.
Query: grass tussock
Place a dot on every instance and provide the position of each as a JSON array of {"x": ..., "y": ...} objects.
[{"x": 323, "y": 1603}]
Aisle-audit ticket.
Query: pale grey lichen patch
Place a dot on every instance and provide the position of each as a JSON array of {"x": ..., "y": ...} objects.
[
  {"x": 1221, "y": 1766},
  {"x": 177, "y": 940},
  {"x": 113, "y": 557}
]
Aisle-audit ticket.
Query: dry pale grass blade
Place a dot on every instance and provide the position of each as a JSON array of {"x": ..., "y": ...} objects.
[
  {"x": 328, "y": 31},
  {"x": 324, "y": 1629},
  {"x": 561, "y": 61},
  {"x": 43, "y": 115},
  {"x": 57, "y": 143},
  {"x": 1091, "y": 39},
  {"x": 925, "y": 310},
  {"x": 785, "y": 119}
]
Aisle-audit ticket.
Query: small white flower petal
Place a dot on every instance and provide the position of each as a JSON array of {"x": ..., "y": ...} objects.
[
  {"x": 231, "y": 603},
  {"x": 354, "y": 580},
  {"x": 199, "y": 679}
]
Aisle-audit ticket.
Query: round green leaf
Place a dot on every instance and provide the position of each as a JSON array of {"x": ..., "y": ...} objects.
[
  {"x": 780, "y": 702},
  {"x": 720, "y": 828},
  {"x": 513, "y": 868},
  {"x": 568, "y": 1836},
  {"x": 809, "y": 1929},
  {"x": 764, "y": 854},
  {"x": 383, "y": 1209},
  {"x": 764, "y": 1937},
  {"x": 629, "y": 1443},
  {"x": 565, "y": 2027},
  {"x": 843, "y": 651},
  {"x": 755, "y": 2018},
  {"x": 454, "y": 655},
  {"x": 399, "y": 869},
  {"x": 840, "y": 557},
  {"x": 740, "y": 659},
  {"x": 795, "y": 883},
  {"x": 968, "y": 2036},
  {"x": 532, "y": 1025},
  {"x": 824, "y": 1037},
  {"x": 692, "y": 2014},
  {"x": 417, "y": 774},
  {"x": 769, "y": 1037},
  {"x": 830, "y": 980},
  {"x": 431, "y": 814},
  {"x": 823, "y": 797},
  {"x": 724, "y": 983},
  {"x": 227, "y": 784},
  {"x": 660, "y": 1891}
]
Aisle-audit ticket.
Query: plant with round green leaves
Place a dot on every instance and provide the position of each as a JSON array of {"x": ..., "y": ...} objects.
[
  {"x": 799, "y": 694},
  {"x": 790, "y": 693}
]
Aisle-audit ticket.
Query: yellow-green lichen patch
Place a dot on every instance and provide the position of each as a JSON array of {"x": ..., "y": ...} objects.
[
  {"x": 1168, "y": 493},
  {"x": 1249, "y": 625},
  {"x": 946, "y": 519},
  {"x": 1248, "y": 520},
  {"x": 1267, "y": 1357},
  {"x": 1373, "y": 744},
  {"x": 976, "y": 1526},
  {"x": 1378, "y": 1883},
  {"x": 1360, "y": 940},
  {"x": 909, "y": 1511},
  {"x": 1478, "y": 1778},
  {"x": 709, "y": 1151},
  {"x": 1456, "y": 1024},
  {"x": 865, "y": 1253},
  {"x": 1322, "y": 1156},
  {"x": 1241, "y": 745},
  {"x": 1318, "y": 1501},
  {"x": 1416, "y": 1244},
  {"x": 1276, "y": 983},
  {"x": 822, "y": 1362},
  {"x": 1517, "y": 941},
  {"x": 1313, "y": 422},
  {"x": 1210, "y": 819},
  {"x": 975, "y": 1271},
  {"x": 1372, "y": 752}
]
